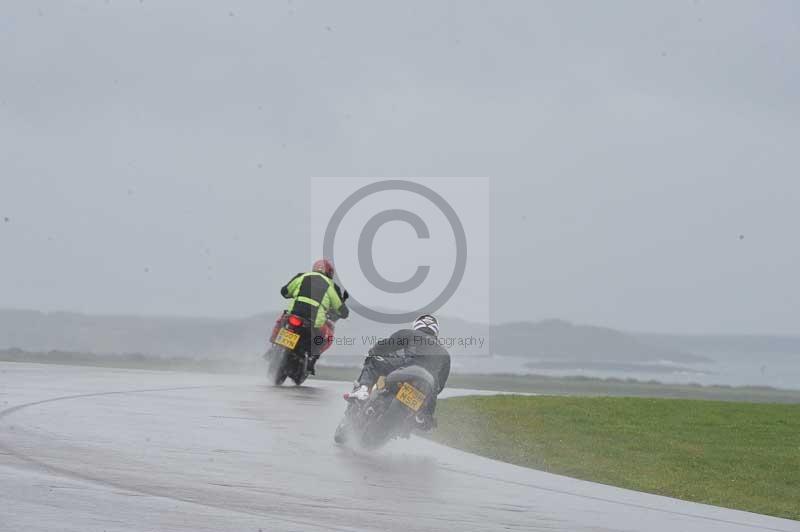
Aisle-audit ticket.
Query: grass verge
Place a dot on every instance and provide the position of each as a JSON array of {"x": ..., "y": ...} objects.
[
  {"x": 737, "y": 455},
  {"x": 580, "y": 385}
]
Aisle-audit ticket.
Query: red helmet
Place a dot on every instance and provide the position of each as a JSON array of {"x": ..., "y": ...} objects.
[{"x": 324, "y": 266}]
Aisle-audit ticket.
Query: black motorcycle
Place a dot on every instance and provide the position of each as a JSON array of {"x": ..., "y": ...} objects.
[
  {"x": 391, "y": 409},
  {"x": 293, "y": 343}
]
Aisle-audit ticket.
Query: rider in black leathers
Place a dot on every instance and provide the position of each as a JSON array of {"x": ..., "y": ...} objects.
[{"x": 418, "y": 346}]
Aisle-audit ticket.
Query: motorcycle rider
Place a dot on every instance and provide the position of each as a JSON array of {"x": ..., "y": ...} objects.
[
  {"x": 314, "y": 296},
  {"x": 416, "y": 346}
]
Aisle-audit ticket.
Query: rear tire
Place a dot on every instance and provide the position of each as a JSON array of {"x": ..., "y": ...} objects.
[
  {"x": 302, "y": 372},
  {"x": 387, "y": 426},
  {"x": 276, "y": 371}
]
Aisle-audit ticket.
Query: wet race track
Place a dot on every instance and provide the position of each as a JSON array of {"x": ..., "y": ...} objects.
[{"x": 94, "y": 449}]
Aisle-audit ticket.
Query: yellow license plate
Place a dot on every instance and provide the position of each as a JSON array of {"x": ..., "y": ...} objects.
[
  {"x": 410, "y": 396},
  {"x": 287, "y": 338}
]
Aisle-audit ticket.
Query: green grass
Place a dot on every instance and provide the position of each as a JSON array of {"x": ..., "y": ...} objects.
[{"x": 737, "y": 455}]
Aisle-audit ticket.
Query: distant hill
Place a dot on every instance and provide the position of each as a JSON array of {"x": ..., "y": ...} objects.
[
  {"x": 165, "y": 336},
  {"x": 564, "y": 341},
  {"x": 246, "y": 337},
  {"x": 746, "y": 344}
]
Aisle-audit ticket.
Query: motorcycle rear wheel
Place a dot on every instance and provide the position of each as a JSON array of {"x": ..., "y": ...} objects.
[
  {"x": 301, "y": 372},
  {"x": 276, "y": 370},
  {"x": 389, "y": 425}
]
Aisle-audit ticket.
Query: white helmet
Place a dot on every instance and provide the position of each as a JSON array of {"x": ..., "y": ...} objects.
[{"x": 427, "y": 321}]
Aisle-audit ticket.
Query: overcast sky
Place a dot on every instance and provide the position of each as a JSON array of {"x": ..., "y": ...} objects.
[{"x": 155, "y": 156}]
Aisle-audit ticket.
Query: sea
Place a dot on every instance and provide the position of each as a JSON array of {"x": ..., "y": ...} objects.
[{"x": 776, "y": 370}]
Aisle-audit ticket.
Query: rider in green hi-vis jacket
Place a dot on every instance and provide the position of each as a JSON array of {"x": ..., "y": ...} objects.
[{"x": 314, "y": 295}]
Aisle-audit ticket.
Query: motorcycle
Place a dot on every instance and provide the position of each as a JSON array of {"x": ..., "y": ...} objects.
[
  {"x": 293, "y": 343},
  {"x": 390, "y": 410}
]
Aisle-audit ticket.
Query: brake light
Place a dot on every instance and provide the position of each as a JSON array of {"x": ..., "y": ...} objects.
[{"x": 294, "y": 321}]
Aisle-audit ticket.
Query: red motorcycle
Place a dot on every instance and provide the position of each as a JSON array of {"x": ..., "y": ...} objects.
[{"x": 295, "y": 346}]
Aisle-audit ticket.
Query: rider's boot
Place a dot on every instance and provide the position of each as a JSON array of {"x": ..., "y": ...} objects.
[
  {"x": 312, "y": 360},
  {"x": 360, "y": 392}
]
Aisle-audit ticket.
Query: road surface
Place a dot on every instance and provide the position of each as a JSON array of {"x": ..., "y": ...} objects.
[{"x": 95, "y": 449}]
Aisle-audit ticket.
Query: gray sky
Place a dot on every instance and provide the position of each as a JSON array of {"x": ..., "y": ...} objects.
[{"x": 151, "y": 152}]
